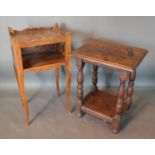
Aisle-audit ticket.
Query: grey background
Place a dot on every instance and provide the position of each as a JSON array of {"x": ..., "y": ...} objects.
[{"x": 137, "y": 31}]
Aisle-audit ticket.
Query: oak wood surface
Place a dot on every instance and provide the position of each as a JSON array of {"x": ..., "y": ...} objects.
[
  {"x": 80, "y": 78},
  {"x": 121, "y": 95},
  {"x": 32, "y": 62},
  {"x": 122, "y": 58},
  {"x": 39, "y": 36},
  {"x": 37, "y": 50},
  {"x": 111, "y": 54},
  {"x": 102, "y": 104}
]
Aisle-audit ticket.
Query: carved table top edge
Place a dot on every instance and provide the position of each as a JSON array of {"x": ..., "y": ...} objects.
[
  {"x": 78, "y": 53},
  {"x": 102, "y": 64}
]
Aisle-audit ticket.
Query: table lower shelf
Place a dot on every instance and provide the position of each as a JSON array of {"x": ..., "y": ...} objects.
[{"x": 101, "y": 104}]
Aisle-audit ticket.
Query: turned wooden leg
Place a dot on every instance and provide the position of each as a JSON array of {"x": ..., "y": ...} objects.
[
  {"x": 57, "y": 81},
  {"x": 132, "y": 77},
  {"x": 80, "y": 78},
  {"x": 120, "y": 101},
  {"x": 68, "y": 86},
  {"x": 23, "y": 96},
  {"x": 95, "y": 78}
]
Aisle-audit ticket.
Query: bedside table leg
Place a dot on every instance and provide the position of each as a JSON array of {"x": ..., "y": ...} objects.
[
  {"x": 132, "y": 77},
  {"x": 68, "y": 87},
  {"x": 57, "y": 81},
  {"x": 68, "y": 71},
  {"x": 120, "y": 100},
  {"x": 19, "y": 86},
  {"x": 23, "y": 96},
  {"x": 80, "y": 78},
  {"x": 95, "y": 78}
]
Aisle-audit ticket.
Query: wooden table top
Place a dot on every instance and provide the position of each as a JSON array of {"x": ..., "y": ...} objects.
[
  {"x": 37, "y": 33},
  {"x": 111, "y": 54},
  {"x": 39, "y": 36}
]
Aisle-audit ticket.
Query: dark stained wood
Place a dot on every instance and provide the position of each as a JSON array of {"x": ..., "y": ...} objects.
[
  {"x": 122, "y": 58},
  {"x": 41, "y": 49},
  {"x": 120, "y": 101},
  {"x": 132, "y": 77},
  {"x": 102, "y": 104},
  {"x": 95, "y": 78},
  {"x": 80, "y": 65},
  {"x": 41, "y": 61},
  {"x": 111, "y": 54}
]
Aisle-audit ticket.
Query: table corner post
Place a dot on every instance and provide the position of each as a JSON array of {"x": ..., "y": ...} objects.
[
  {"x": 120, "y": 101},
  {"x": 80, "y": 78},
  {"x": 132, "y": 77},
  {"x": 95, "y": 78}
]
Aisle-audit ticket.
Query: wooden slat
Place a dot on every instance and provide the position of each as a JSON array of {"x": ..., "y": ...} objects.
[{"x": 41, "y": 41}]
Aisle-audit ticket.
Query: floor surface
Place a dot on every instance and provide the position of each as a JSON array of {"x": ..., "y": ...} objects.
[{"x": 50, "y": 120}]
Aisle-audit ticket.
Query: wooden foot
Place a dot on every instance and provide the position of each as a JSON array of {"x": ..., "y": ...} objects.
[
  {"x": 27, "y": 113},
  {"x": 78, "y": 112},
  {"x": 116, "y": 124}
]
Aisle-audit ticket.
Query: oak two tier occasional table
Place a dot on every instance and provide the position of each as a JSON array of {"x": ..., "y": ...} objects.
[{"x": 122, "y": 58}]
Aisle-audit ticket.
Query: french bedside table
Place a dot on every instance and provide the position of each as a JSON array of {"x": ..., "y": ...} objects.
[{"x": 41, "y": 49}]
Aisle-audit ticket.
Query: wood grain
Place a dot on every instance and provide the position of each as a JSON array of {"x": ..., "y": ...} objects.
[
  {"x": 111, "y": 54},
  {"x": 42, "y": 61},
  {"x": 80, "y": 78},
  {"x": 39, "y": 36},
  {"x": 95, "y": 78},
  {"x": 122, "y": 58},
  {"x": 102, "y": 104},
  {"x": 120, "y": 101},
  {"x": 37, "y": 50}
]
